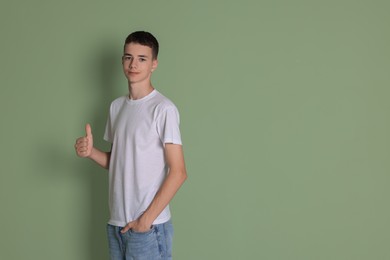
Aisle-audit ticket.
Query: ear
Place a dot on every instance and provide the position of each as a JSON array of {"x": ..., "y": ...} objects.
[{"x": 154, "y": 64}]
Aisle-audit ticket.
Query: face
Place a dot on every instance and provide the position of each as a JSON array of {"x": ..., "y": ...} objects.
[{"x": 138, "y": 63}]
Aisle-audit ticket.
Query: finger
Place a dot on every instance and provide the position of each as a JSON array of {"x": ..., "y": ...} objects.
[
  {"x": 82, "y": 149},
  {"x": 83, "y": 152},
  {"x": 88, "y": 130},
  {"x": 82, "y": 145},
  {"x": 81, "y": 139},
  {"x": 126, "y": 228}
]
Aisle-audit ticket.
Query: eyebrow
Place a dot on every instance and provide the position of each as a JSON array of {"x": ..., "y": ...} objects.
[{"x": 141, "y": 56}]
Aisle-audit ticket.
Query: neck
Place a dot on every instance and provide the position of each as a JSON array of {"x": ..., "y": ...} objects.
[{"x": 139, "y": 91}]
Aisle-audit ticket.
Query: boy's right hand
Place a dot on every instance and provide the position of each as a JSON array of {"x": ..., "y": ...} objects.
[{"x": 84, "y": 144}]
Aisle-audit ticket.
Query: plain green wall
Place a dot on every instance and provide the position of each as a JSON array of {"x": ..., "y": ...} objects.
[{"x": 285, "y": 120}]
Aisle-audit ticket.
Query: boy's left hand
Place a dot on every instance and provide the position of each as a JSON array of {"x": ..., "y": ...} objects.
[{"x": 136, "y": 226}]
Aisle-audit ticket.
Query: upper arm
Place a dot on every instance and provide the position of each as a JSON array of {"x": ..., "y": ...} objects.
[{"x": 174, "y": 157}]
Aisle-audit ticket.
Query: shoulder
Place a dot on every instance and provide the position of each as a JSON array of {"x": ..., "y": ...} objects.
[
  {"x": 164, "y": 108},
  {"x": 117, "y": 103},
  {"x": 163, "y": 103}
]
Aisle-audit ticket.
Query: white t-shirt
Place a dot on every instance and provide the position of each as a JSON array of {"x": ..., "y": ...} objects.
[{"x": 138, "y": 130}]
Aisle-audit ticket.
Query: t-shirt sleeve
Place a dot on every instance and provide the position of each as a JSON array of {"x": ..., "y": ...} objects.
[
  {"x": 108, "y": 132},
  {"x": 168, "y": 126}
]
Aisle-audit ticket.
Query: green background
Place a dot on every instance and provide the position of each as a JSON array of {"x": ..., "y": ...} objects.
[{"x": 285, "y": 119}]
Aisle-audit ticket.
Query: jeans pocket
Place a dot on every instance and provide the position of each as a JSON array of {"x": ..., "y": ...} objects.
[
  {"x": 142, "y": 233},
  {"x": 143, "y": 245}
]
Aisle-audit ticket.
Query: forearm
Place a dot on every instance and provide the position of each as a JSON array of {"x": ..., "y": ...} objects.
[
  {"x": 170, "y": 186},
  {"x": 100, "y": 157},
  {"x": 175, "y": 178}
]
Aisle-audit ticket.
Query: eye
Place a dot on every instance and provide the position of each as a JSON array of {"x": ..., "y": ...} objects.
[
  {"x": 142, "y": 59},
  {"x": 126, "y": 58}
]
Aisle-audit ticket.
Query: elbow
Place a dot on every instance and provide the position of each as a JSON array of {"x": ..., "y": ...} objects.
[
  {"x": 184, "y": 175},
  {"x": 181, "y": 175},
  {"x": 107, "y": 166}
]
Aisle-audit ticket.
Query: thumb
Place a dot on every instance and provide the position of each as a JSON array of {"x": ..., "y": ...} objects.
[{"x": 88, "y": 130}]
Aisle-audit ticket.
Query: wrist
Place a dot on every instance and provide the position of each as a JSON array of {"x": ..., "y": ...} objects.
[
  {"x": 91, "y": 155},
  {"x": 145, "y": 220}
]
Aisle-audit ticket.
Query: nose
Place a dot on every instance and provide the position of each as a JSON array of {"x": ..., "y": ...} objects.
[{"x": 133, "y": 64}]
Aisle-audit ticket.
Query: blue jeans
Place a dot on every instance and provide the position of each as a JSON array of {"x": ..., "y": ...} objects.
[{"x": 155, "y": 244}]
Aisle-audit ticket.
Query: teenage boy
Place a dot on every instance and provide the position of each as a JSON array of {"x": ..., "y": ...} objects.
[{"x": 146, "y": 162}]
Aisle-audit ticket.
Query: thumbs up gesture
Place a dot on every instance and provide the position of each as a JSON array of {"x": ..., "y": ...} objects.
[{"x": 84, "y": 144}]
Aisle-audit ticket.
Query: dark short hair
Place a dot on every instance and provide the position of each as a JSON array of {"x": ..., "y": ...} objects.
[{"x": 143, "y": 38}]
